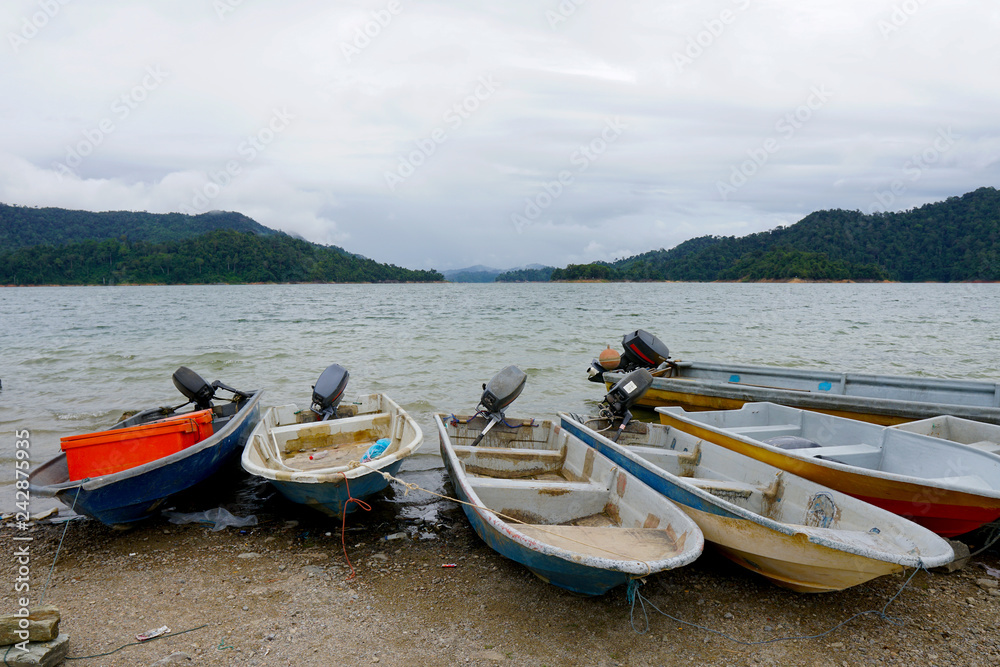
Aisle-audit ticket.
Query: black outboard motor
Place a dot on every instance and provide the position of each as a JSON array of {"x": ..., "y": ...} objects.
[
  {"x": 623, "y": 396},
  {"x": 329, "y": 390},
  {"x": 498, "y": 394},
  {"x": 194, "y": 387},
  {"x": 641, "y": 350}
]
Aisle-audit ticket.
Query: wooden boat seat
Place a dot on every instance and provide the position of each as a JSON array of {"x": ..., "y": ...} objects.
[
  {"x": 767, "y": 431},
  {"x": 973, "y": 481},
  {"x": 859, "y": 454},
  {"x": 648, "y": 544},
  {"x": 723, "y": 488}
]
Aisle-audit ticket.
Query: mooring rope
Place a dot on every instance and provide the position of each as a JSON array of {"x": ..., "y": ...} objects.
[{"x": 633, "y": 595}]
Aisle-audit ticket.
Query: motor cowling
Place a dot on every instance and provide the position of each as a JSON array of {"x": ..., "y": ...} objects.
[
  {"x": 194, "y": 387},
  {"x": 643, "y": 350},
  {"x": 329, "y": 391},
  {"x": 627, "y": 391},
  {"x": 501, "y": 391}
]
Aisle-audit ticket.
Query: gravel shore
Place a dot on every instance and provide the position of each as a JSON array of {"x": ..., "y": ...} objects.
[{"x": 281, "y": 593}]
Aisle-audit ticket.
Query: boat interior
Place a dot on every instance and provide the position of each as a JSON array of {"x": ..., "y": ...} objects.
[
  {"x": 295, "y": 441},
  {"x": 813, "y": 435},
  {"x": 557, "y": 490}
]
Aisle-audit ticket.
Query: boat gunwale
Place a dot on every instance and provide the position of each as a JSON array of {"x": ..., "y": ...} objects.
[
  {"x": 335, "y": 474},
  {"x": 899, "y": 484}
]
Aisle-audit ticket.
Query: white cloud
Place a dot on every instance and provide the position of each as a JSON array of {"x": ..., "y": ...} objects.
[{"x": 357, "y": 114}]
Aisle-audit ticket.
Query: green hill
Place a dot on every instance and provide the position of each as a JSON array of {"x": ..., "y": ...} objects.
[
  {"x": 221, "y": 256},
  {"x": 22, "y": 226},
  {"x": 954, "y": 240},
  {"x": 56, "y": 246}
]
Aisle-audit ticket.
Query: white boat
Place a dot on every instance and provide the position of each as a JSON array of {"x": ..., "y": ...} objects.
[
  {"x": 876, "y": 398},
  {"x": 544, "y": 499},
  {"x": 798, "y": 534},
  {"x": 319, "y": 463},
  {"x": 945, "y": 486}
]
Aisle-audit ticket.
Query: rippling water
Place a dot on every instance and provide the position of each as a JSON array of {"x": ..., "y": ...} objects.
[{"x": 73, "y": 358}]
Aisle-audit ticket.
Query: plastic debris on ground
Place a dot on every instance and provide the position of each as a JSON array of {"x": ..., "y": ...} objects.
[
  {"x": 218, "y": 518},
  {"x": 155, "y": 632}
]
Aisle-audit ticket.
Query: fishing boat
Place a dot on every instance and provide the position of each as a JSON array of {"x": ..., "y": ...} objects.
[
  {"x": 328, "y": 454},
  {"x": 544, "y": 499},
  {"x": 945, "y": 486},
  {"x": 128, "y": 472},
  {"x": 879, "y": 399},
  {"x": 797, "y": 534},
  {"x": 977, "y": 435}
]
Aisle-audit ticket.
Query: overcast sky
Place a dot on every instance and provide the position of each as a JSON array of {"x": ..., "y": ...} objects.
[{"x": 439, "y": 134}]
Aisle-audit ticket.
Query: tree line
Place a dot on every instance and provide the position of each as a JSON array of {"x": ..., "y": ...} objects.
[
  {"x": 221, "y": 256},
  {"x": 950, "y": 241}
]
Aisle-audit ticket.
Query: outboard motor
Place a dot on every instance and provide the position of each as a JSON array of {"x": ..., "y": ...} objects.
[
  {"x": 641, "y": 350},
  {"x": 194, "y": 387},
  {"x": 329, "y": 391},
  {"x": 498, "y": 394},
  {"x": 623, "y": 396}
]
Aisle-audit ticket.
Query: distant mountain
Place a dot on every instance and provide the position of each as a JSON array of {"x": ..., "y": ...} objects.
[
  {"x": 471, "y": 274},
  {"x": 533, "y": 273},
  {"x": 954, "y": 240},
  {"x": 56, "y": 246},
  {"x": 23, "y": 226},
  {"x": 220, "y": 256}
]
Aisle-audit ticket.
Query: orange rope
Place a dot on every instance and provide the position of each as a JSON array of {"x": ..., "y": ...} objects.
[{"x": 343, "y": 524}]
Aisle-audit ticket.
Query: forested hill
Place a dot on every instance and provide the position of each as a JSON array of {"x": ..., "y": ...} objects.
[
  {"x": 954, "y": 240},
  {"x": 22, "y": 226},
  {"x": 221, "y": 256}
]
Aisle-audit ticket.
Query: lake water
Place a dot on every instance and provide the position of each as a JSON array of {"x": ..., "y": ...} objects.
[{"x": 73, "y": 358}]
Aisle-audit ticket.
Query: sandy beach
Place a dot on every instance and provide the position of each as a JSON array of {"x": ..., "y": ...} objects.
[{"x": 281, "y": 593}]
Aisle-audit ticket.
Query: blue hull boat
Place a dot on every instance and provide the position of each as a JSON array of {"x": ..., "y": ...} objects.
[
  {"x": 544, "y": 499},
  {"x": 319, "y": 463},
  {"x": 124, "y": 497}
]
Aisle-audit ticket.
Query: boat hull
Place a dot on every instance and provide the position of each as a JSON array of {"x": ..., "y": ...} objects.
[
  {"x": 332, "y": 497},
  {"x": 278, "y": 451},
  {"x": 515, "y": 492},
  {"x": 123, "y": 498},
  {"x": 783, "y": 554},
  {"x": 878, "y": 399},
  {"x": 949, "y": 512}
]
